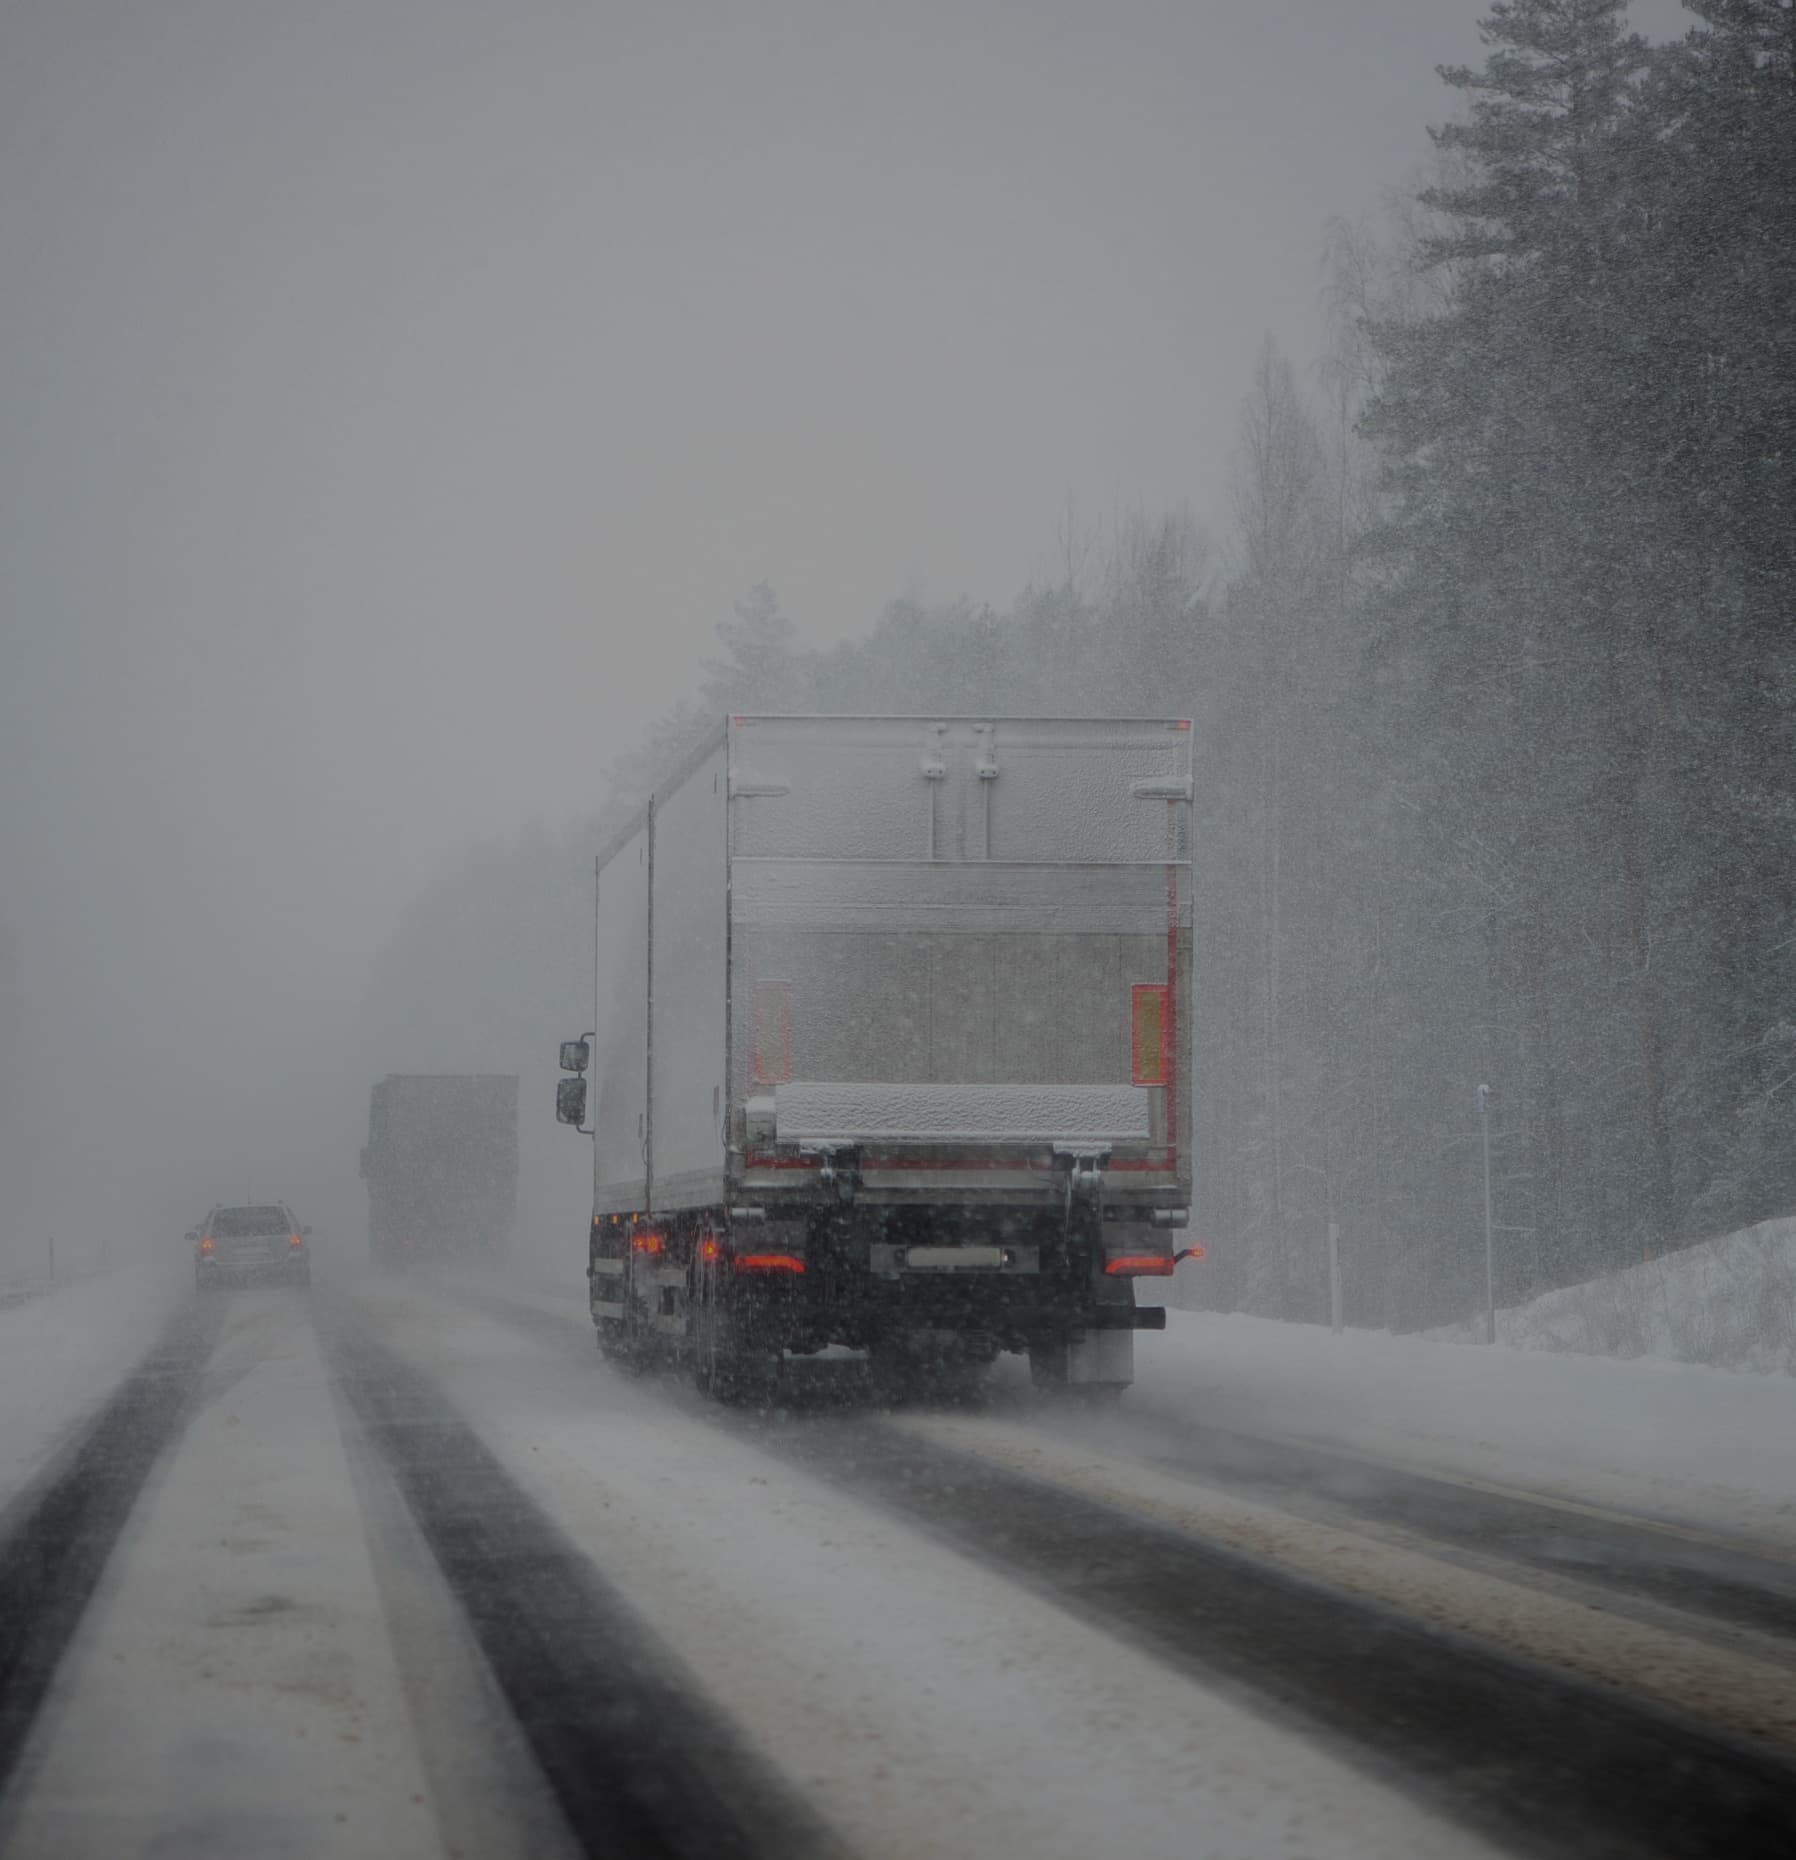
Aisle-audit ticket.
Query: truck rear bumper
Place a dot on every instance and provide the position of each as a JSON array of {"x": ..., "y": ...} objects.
[{"x": 852, "y": 1309}]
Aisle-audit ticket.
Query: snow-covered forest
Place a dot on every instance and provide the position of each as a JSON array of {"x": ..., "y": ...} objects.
[{"x": 1492, "y": 662}]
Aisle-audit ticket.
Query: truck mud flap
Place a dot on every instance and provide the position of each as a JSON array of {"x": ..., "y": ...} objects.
[{"x": 1124, "y": 1317}]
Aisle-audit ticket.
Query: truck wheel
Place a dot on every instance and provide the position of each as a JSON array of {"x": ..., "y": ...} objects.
[
  {"x": 709, "y": 1345},
  {"x": 704, "y": 1346},
  {"x": 1048, "y": 1363}
]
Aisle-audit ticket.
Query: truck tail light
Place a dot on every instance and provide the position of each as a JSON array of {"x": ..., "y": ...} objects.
[
  {"x": 1139, "y": 1266},
  {"x": 295, "y": 1240},
  {"x": 710, "y": 1247},
  {"x": 769, "y": 1262},
  {"x": 646, "y": 1242}
]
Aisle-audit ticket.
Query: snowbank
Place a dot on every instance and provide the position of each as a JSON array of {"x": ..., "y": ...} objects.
[{"x": 1729, "y": 1304}]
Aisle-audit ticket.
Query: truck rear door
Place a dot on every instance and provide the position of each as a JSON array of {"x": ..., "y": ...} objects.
[{"x": 958, "y": 945}]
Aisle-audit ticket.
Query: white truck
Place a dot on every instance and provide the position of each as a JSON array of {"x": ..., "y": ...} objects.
[{"x": 892, "y": 1048}]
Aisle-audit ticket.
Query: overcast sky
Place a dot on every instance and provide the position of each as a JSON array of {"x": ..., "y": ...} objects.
[{"x": 394, "y": 393}]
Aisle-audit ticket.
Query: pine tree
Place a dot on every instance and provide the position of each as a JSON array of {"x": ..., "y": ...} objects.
[
  {"x": 1718, "y": 437},
  {"x": 1521, "y": 618},
  {"x": 760, "y": 667}
]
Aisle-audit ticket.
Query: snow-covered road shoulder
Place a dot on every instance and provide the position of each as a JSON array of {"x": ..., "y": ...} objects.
[
  {"x": 1706, "y": 1446},
  {"x": 62, "y": 1355}
]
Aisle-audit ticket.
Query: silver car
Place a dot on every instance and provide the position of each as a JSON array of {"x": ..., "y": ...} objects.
[{"x": 262, "y": 1241}]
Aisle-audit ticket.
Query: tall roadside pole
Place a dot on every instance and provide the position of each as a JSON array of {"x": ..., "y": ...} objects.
[
  {"x": 1334, "y": 1234},
  {"x": 1490, "y": 1279},
  {"x": 1334, "y": 1273}
]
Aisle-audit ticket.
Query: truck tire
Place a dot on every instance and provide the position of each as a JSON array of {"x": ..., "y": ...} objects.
[{"x": 1048, "y": 1363}]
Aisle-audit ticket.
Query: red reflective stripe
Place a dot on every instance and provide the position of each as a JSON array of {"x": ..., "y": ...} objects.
[
  {"x": 1170, "y": 1028},
  {"x": 769, "y": 1262},
  {"x": 1139, "y": 1266}
]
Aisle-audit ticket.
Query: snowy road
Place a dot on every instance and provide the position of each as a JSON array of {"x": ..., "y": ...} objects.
[{"x": 405, "y": 1569}]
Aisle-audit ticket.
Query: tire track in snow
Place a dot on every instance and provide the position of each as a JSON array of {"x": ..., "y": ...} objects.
[
  {"x": 1514, "y": 1746},
  {"x": 1521, "y": 1750},
  {"x": 57, "y": 1535},
  {"x": 643, "y": 1767},
  {"x": 1659, "y": 1562}
]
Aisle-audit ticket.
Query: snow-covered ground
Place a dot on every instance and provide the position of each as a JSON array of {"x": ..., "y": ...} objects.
[
  {"x": 61, "y": 1355},
  {"x": 1728, "y": 1303},
  {"x": 1646, "y": 1435}
]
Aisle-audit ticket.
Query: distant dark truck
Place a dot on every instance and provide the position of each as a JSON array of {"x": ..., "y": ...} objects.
[{"x": 442, "y": 1166}]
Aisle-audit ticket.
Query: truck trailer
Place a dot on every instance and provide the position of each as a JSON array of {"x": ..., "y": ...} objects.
[
  {"x": 892, "y": 1048},
  {"x": 441, "y": 1166}
]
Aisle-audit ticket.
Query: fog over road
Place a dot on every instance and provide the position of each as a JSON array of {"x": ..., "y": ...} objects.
[{"x": 404, "y": 1568}]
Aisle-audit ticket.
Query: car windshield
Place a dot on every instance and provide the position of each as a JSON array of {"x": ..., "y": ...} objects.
[{"x": 237, "y": 1223}]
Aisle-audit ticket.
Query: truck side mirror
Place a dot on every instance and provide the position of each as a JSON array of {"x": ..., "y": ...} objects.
[
  {"x": 576, "y": 1055},
  {"x": 570, "y": 1101},
  {"x": 193, "y": 1234}
]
